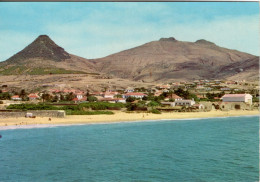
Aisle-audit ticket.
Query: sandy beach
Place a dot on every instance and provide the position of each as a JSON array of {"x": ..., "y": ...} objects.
[{"x": 117, "y": 117}]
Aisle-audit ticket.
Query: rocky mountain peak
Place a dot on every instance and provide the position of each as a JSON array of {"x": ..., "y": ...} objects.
[
  {"x": 205, "y": 42},
  {"x": 168, "y": 39},
  {"x": 42, "y": 47}
]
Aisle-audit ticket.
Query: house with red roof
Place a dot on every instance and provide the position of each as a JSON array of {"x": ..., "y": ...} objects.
[
  {"x": 174, "y": 96},
  {"x": 113, "y": 100},
  {"x": 109, "y": 94},
  {"x": 33, "y": 96},
  {"x": 16, "y": 97},
  {"x": 76, "y": 99}
]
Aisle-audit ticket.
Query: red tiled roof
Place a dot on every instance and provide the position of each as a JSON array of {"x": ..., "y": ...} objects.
[
  {"x": 15, "y": 96},
  {"x": 83, "y": 99},
  {"x": 33, "y": 95},
  {"x": 174, "y": 96}
]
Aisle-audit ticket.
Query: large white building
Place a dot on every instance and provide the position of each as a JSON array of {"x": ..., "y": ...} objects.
[
  {"x": 184, "y": 102},
  {"x": 247, "y": 98}
]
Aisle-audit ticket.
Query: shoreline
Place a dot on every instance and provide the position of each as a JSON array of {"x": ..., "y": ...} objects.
[{"x": 118, "y": 117}]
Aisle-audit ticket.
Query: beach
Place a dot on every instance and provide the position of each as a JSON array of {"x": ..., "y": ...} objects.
[{"x": 118, "y": 117}]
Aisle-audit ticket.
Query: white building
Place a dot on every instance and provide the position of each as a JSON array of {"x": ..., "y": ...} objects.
[
  {"x": 171, "y": 104},
  {"x": 247, "y": 98},
  {"x": 184, "y": 102},
  {"x": 16, "y": 97},
  {"x": 134, "y": 94},
  {"x": 129, "y": 89}
]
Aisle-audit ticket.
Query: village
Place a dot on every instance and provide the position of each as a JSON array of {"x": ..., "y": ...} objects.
[{"x": 199, "y": 95}]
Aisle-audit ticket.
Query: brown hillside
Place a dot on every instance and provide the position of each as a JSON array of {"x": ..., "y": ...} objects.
[
  {"x": 43, "y": 56},
  {"x": 169, "y": 59}
]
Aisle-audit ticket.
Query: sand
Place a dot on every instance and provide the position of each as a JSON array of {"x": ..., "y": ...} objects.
[{"x": 117, "y": 117}]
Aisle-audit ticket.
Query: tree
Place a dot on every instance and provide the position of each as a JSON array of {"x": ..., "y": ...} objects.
[
  {"x": 91, "y": 99},
  {"x": 5, "y": 96},
  {"x": 87, "y": 94},
  {"x": 153, "y": 104},
  {"x": 70, "y": 96},
  {"x": 23, "y": 94},
  {"x": 182, "y": 93},
  {"x": 46, "y": 97},
  {"x": 55, "y": 99},
  {"x": 62, "y": 98},
  {"x": 130, "y": 99}
]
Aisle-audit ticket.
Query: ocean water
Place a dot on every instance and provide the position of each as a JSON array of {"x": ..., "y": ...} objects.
[{"x": 217, "y": 149}]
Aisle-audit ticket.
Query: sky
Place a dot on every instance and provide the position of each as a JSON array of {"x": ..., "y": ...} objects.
[{"x": 97, "y": 29}]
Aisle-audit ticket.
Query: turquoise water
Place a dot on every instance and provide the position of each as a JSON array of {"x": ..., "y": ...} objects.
[{"x": 219, "y": 149}]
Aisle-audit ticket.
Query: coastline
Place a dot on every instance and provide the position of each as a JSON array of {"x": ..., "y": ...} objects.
[{"x": 43, "y": 122}]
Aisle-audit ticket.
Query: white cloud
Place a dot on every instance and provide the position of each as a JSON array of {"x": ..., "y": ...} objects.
[{"x": 97, "y": 34}]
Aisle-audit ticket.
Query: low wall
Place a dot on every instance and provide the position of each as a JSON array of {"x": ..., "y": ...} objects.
[{"x": 37, "y": 113}]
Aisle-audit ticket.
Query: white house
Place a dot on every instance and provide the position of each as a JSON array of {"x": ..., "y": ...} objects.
[
  {"x": 113, "y": 100},
  {"x": 171, "y": 104},
  {"x": 184, "y": 102},
  {"x": 134, "y": 94},
  {"x": 16, "y": 97},
  {"x": 109, "y": 94},
  {"x": 129, "y": 89},
  {"x": 247, "y": 98},
  {"x": 199, "y": 106}
]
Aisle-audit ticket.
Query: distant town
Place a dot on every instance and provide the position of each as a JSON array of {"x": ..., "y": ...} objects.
[{"x": 198, "y": 95}]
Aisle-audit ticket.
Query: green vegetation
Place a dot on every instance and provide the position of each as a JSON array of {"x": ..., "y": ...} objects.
[
  {"x": 32, "y": 107},
  {"x": 44, "y": 71},
  {"x": 153, "y": 104},
  {"x": 17, "y": 70},
  {"x": 130, "y": 99},
  {"x": 185, "y": 94},
  {"x": 91, "y": 99},
  {"x": 72, "y": 112},
  {"x": 155, "y": 111},
  {"x": 13, "y": 70},
  {"x": 79, "y": 109},
  {"x": 5, "y": 96},
  {"x": 255, "y": 99},
  {"x": 102, "y": 105}
]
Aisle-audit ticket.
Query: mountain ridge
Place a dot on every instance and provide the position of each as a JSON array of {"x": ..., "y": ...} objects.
[{"x": 166, "y": 59}]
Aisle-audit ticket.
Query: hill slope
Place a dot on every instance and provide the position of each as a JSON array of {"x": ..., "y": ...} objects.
[
  {"x": 169, "y": 59},
  {"x": 43, "y": 56}
]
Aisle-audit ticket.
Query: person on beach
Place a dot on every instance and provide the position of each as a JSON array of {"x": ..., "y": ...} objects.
[{"x": 49, "y": 119}]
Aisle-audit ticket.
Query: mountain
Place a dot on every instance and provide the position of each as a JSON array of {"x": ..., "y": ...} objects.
[
  {"x": 164, "y": 60},
  {"x": 43, "y": 56},
  {"x": 169, "y": 59},
  {"x": 247, "y": 69}
]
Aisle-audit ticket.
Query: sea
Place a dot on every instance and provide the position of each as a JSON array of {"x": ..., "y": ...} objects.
[{"x": 203, "y": 150}]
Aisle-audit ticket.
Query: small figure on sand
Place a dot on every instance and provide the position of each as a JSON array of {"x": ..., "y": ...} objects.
[{"x": 49, "y": 119}]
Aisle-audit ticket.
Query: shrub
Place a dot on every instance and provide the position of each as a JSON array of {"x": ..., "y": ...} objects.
[
  {"x": 153, "y": 104},
  {"x": 71, "y": 112},
  {"x": 91, "y": 99},
  {"x": 130, "y": 99},
  {"x": 101, "y": 105},
  {"x": 32, "y": 107},
  {"x": 155, "y": 111},
  {"x": 1, "y": 102}
]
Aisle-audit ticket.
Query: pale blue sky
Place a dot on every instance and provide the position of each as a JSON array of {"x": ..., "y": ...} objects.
[{"x": 97, "y": 29}]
